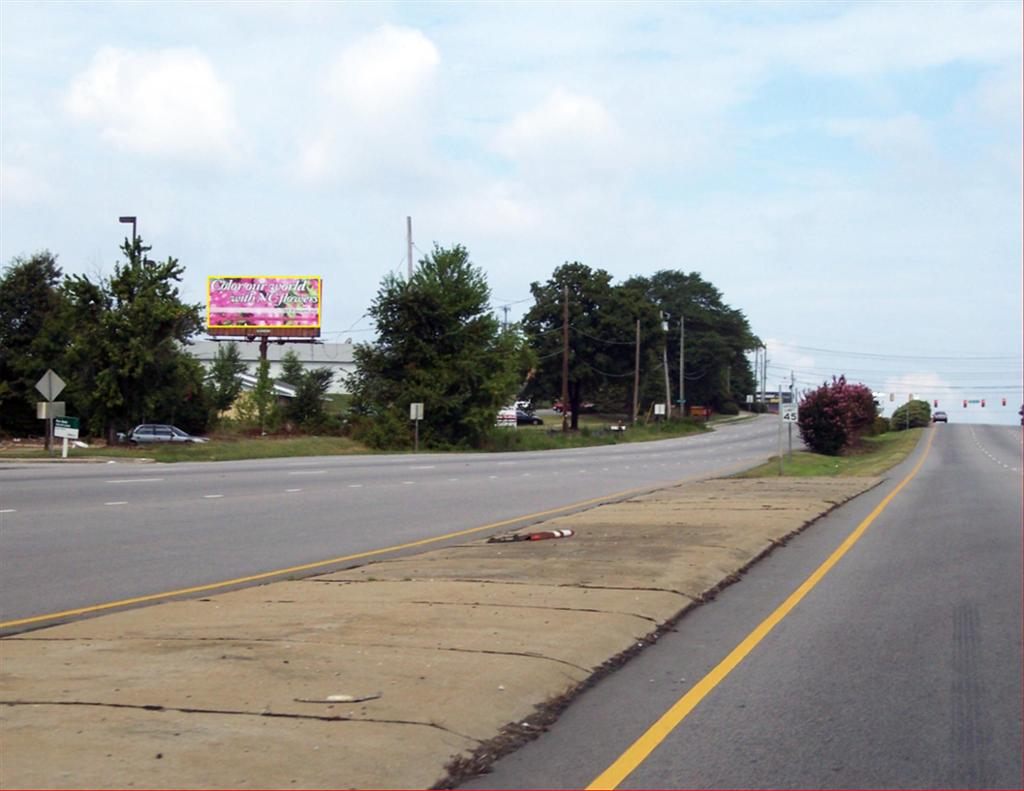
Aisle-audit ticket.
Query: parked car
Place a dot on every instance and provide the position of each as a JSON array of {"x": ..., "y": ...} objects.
[
  {"x": 150, "y": 433},
  {"x": 524, "y": 418},
  {"x": 939, "y": 417}
]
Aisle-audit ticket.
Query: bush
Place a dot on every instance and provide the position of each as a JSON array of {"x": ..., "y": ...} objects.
[
  {"x": 729, "y": 408},
  {"x": 835, "y": 415},
  {"x": 880, "y": 426},
  {"x": 920, "y": 415}
]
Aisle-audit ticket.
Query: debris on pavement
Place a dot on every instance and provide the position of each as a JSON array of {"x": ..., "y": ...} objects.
[{"x": 543, "y": 534}]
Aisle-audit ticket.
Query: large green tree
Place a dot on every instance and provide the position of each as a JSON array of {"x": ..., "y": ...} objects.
[
  {"x": 716, "y": 337},
  {"x": 437, "y": 344},
  {"x": 222, "y": 383},
  {"x": 125, "y": 347},
  {"x": 30, "y": 340},
  {"x": 311, "y": 385},
  {"x": 602, "y": 337}
]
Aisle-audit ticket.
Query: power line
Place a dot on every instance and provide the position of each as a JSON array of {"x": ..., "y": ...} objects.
[{"x": 877, "y": 356}]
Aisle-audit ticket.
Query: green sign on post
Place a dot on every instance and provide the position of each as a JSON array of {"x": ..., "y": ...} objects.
[{"x": 66, "y": 427}]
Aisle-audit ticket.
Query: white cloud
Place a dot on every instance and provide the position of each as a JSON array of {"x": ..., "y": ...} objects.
[
  {"x": 900, "y": 135},
  {"x": 875, "y": 38},
  {"x": 168, "y": 103},
  {"x": 565, "y": 125},
  {"x": 386, "y": 72},
  {"x": 376, "y": 94},
  {"x": 21, "y": 185}
]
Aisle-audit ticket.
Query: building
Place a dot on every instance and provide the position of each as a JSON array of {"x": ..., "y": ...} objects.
[{"x": 335, "y": 356}]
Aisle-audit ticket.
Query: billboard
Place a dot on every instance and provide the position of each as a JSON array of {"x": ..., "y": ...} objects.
[{"x": 285, "y": 306}]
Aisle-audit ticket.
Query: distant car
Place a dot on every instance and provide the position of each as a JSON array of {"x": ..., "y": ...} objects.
[
  {"x": 939, "y": 417},
  {"x": 151, "y": 433},
  {"x": 524, "y": 418}
]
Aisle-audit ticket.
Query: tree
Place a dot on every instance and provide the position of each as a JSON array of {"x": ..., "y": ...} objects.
[
  {"x": 222, "y": 382},
  {"x": 913, "y": 414},
  {"x": 30, "y": 341},
  {"x": 292, "y": 369},
  {"x": 716, "y": 337},
  {"x": 437, "y": 344},
  {"x": 602, "y": 336},
  {"x": 834, "y": 416},
  {"x": 125, "y": 342},
  {"x": 307, "y": 407},
  {"x": 260, "y": 404}
]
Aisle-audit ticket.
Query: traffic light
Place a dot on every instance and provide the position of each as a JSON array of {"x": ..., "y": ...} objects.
[
  {"x": 965, "y": 403},
  {"x": 983, "y": 402},
  {"x": 935, "y": 403},
  {"x": 1004, "y": 402}
]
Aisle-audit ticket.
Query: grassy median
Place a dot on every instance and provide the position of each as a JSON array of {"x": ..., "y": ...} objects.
[
  {"x": 871, "y": 457},
  {"x": 594, "y": 430}
]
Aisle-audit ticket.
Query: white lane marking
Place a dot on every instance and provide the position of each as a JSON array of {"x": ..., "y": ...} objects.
[
  {"x": 408, "y": 483},
  {"x": 453, "y": 480},
  {"x": 293, "y": 490},
  {"x": 425, "y": 467},
  {"x": 308, "y": 472},
  {"x": 136, "y": 480},
  {"x": 117, "y": 502},
  {"x": 212, "y": 496},
  {"x": 355, "y": 486},
  {"x": 505, "y": 463},
  {"x": 493, "y": 477},
  {"x": 7, "y": 510}
]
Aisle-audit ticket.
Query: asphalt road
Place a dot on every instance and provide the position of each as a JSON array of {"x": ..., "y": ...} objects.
[
  {"x": 901, "y": 668},
  {"x": 75, "y": 536}
]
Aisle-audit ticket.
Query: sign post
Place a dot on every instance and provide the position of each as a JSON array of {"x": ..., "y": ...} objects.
[
  {"x": 50, "y": 386},
  {"x": 416, "y": 415},
  {"x": 789, "y": 414}
]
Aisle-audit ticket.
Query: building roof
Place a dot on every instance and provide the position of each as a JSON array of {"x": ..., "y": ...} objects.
[{"x": 327, "y": 354}]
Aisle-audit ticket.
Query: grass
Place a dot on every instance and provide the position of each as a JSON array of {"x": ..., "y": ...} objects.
[
  {"x": 216, "y": 450},
  {"x": 593, "y": 430},
  {"x": 872, "y": 457}
]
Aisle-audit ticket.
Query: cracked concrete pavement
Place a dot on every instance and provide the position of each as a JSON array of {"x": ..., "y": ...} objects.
[{"x": 406, "y": 673}]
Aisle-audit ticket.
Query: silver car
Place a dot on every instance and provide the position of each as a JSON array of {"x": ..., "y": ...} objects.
[{"x": 148, "y": 433}]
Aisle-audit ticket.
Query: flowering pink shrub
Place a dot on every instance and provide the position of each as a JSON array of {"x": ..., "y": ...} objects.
[{"x": 835, "y": 415}]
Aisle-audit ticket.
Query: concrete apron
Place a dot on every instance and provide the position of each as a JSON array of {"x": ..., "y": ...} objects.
[{"x": 406, "y": 673}]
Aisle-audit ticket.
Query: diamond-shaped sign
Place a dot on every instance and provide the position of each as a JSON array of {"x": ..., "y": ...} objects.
[{"x": 50, "y": 385}]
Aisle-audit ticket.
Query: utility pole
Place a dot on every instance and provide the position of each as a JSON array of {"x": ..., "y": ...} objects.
[
  {"x": 408, "y": 243},
  {"x": 505, "y": 309},
  {"x": 565, "y": 358},
  {"x": 764, "y": 376},
  {"x": 664, "y": 364},
  {"x": 682, "y": 357},
  {"x": 792, "y": 401},
  {"x": 636, "y": 376},
  {"x": 780, "y": 428}
]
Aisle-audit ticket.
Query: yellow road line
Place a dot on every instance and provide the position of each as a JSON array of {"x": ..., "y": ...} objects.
[
  {"x": 637, "y": 753},
  {"x": 309, "y": 566}
]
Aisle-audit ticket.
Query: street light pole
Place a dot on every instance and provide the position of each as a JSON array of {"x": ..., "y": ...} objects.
[{"x": 131, "y": 220}]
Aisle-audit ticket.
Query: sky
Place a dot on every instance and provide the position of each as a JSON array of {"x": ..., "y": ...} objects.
[{"x": 849, "y": 175}]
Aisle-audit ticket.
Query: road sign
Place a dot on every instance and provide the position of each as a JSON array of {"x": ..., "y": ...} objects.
[
  {"x": 416, "y": 411},
  {"x": 50, "y": 385},
  {"x": 48, "y": 410},
  {"x": 66, "y": 427},
  {"x": 789, "y": 413}
]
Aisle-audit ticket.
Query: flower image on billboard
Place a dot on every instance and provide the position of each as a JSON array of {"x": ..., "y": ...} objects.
[{"x": 263, "y": 303}]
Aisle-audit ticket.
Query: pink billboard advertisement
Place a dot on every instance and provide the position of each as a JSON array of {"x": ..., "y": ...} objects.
[{"x": 263, "y": 302}]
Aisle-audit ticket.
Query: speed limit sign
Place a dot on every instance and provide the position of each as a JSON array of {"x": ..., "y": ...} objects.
[{"x": 789, "y": 413}]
